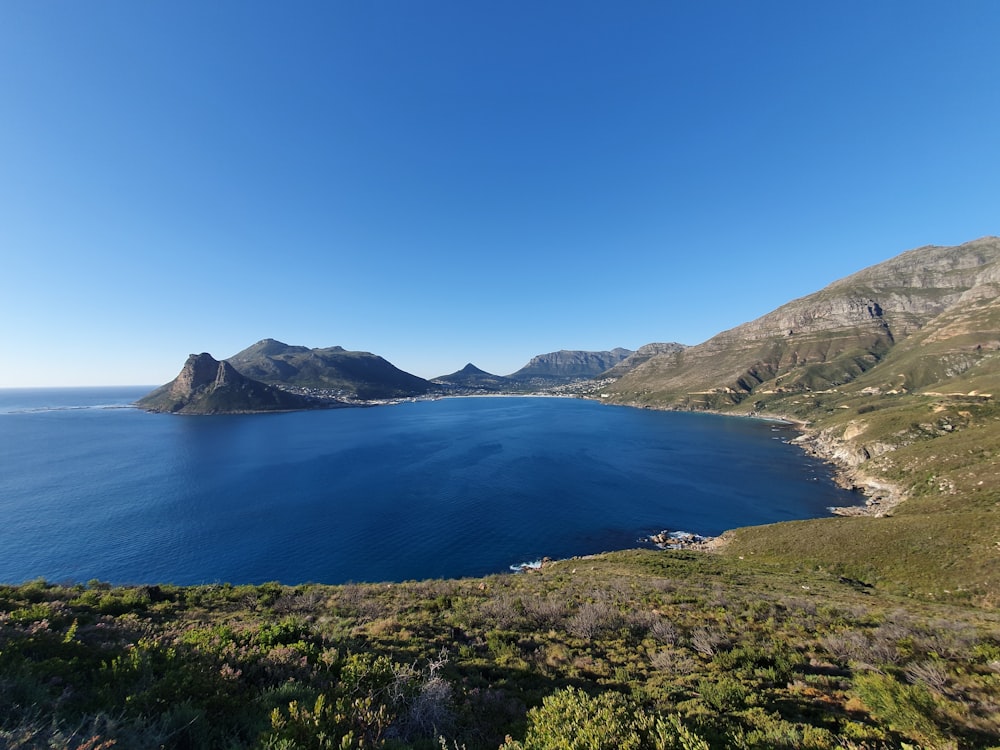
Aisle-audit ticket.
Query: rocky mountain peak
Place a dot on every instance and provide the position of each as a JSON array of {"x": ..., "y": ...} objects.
[
  {"x": 208, "y": 386},
  {"x": 199, "y": 371}
]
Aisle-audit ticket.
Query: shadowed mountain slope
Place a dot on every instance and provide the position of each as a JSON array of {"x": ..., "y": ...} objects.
[
  {"x": 565, "y": 366},
  {"x": 357, "y": 374},
  {"x": 207, "y": 386}
]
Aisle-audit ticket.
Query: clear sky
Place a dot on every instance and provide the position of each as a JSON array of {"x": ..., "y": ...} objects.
[{"x": 442, "y": 182}]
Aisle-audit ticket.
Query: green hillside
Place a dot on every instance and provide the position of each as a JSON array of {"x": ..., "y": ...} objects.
[{"x": 640, "y": 649}]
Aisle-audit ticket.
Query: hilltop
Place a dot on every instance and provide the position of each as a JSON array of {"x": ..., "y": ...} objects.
[
  {"x": 471, "y": 378},
  {"x": 640, "y": 356},
  {"x": 360, "y": 375}
]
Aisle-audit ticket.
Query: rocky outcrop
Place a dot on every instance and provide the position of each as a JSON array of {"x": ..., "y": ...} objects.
[
  {"x": 845, "y": 448},
  {"x": 207, "y": 386},
  {"x": 566, "y": 366}
]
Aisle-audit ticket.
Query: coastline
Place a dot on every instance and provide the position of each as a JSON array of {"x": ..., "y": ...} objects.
[{"x": 880, "y": 497}]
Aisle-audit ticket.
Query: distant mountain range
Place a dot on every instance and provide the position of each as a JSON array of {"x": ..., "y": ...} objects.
[
  {"x": 566, "y": 366},
  {"x": 272, "y": 375},
  {"x": 929, "y": 315},
  {"x": 553, "y": 369}
]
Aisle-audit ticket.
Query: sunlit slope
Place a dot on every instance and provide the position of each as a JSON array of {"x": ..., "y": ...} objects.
[
  {"x": 926, "y": 422},
  {"x": 896, "y": 371},
  {"x": 828, "y": 338}
]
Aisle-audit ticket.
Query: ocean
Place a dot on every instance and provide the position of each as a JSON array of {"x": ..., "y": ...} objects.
[{"x": 93, "y": 489}]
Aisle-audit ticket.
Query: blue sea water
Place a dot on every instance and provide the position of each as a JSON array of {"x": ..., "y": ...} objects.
[{"x": 457, "y": 487}]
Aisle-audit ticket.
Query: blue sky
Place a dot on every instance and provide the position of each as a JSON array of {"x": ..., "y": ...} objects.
[{"x": 446, "y": 182}]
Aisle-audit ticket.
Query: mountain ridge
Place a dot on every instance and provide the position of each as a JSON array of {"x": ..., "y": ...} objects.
[
  {"x": 351, "y": 374},
  {"x": 822, "y": 339},
  {"x": 567, "y": 365}
]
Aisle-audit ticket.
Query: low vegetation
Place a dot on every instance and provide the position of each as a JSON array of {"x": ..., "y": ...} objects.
[{"x": 638, "y": 649}]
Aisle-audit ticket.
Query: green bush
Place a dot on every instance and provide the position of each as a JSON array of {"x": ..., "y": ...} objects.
[
  {"x": 570, "y": 719},
  {"x": 907, "y": 709},
  {"x": 724, "y": 694}
]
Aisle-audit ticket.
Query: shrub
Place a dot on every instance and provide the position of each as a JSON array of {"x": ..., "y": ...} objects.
[
  {"x": 724, "y": 694},
  {"x": 570, "y": 719},
  {"x": 594, "y": 618},
  {"x": 907, "y": 709}
]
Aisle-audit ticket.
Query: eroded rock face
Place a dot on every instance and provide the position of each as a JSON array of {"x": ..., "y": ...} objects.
[
  {"x": 826, "y": 338},
  {"x": 199, "y": 372}
]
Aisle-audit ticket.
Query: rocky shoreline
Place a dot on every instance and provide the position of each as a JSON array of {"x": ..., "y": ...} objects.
[
  {"x": 667, "y": 539},
  {"x": 881, "y": 497}
]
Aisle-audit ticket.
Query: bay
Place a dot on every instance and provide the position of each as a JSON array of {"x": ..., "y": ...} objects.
[{"x": 455, "y": 487}]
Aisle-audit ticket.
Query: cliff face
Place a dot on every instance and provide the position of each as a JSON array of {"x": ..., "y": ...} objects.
[
  {"x": 207, "y": 386},
  {"x": 828, "y": 338},
  {"x": 565, "y": 366}
]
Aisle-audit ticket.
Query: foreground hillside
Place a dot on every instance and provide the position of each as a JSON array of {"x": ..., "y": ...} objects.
[
  {"x": 894, "y": 372},
  {"x": 641, "y": 649}
]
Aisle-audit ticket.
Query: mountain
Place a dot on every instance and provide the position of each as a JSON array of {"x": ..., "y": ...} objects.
[
  {"x": 472, "y": 378},
  {"x": 355, "y": 374},
  {"x": 207, "y": 386},
  {"x": 566, "y": 366},
  {"x": 641, "y": 355},
  {"x": 893, "y": 375},
  {"x": 839, "y": 333}
]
